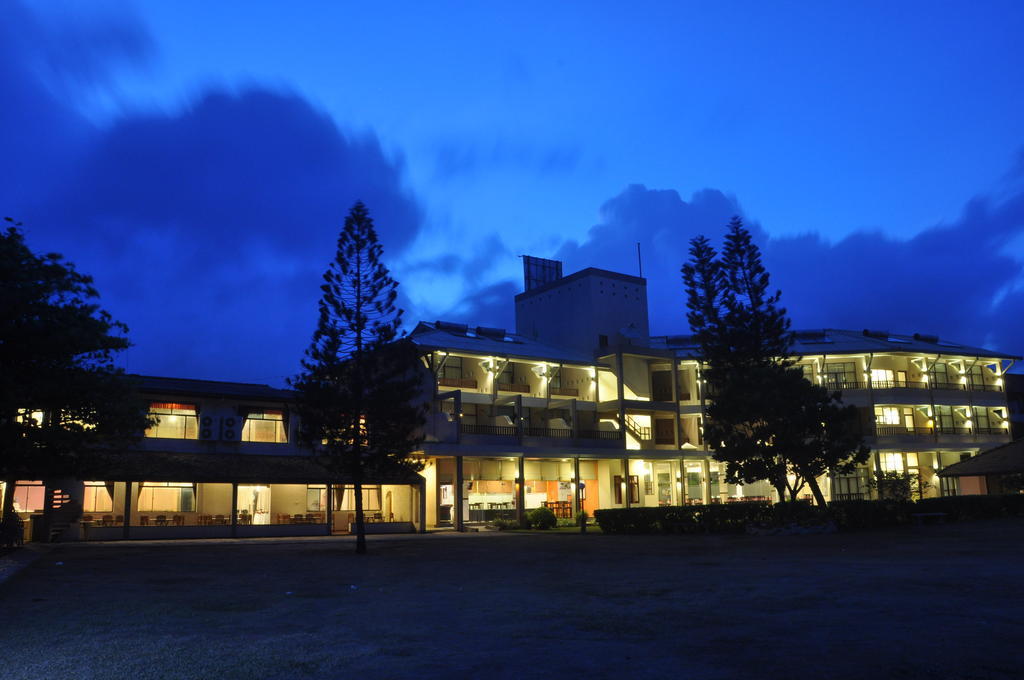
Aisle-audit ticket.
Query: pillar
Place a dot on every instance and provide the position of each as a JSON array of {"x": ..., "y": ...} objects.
[
  {"x": 330, "y": 508},
  {"x": 234, "y": 509},
  {"x": 577, "y": 498},
  {"x": 127, "y": 507},
  {"x": 625, "y": 478},
  {"x": 521, "y": 490},
  {"x": 459, "y": 485}
]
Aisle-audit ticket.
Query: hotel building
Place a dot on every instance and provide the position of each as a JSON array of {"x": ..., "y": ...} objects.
[{"x": 579, "y": 408}]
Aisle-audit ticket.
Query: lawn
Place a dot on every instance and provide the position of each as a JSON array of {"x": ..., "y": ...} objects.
[{"x": 915, "y": 602}]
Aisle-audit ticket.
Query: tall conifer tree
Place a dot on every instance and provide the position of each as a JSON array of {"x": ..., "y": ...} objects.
[
  {"x": 357, "y": 393},
  {"x": 764, "y": 419}
]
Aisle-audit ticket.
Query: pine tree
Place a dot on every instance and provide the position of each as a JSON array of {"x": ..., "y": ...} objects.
[
  {"x": 764, "y": 420},
  {"x": 62, "y": 399},
  {"x": 357, "y": 393}
]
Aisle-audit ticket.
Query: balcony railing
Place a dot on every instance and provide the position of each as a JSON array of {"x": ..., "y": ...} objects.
[
  {"x": 959, "y": 387},
  {"x": 547, "y": 432},
  {"x": 991, "y": 430},
  {"x": 902, "y": 431},
  {"x": 898, "y": 384},
  {"x": 457, "y": 382},
  {"x": 845, "y": 385},
  {"x": 514, "y": 387},
  {"x": 849, "y": 496},
  {"x": 986, "y": 388},
  {"x": 601, "y": 434},
  {"x": 493, "y": 430},
  {"x": 954, "y": 430},
  {"x": 564, "y": 392}
]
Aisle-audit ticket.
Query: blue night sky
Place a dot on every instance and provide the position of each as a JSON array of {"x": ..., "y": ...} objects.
[{"x": 198, "y": 158}]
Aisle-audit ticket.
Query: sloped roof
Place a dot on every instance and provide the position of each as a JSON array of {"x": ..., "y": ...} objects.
[
  {"x": 211, "y": 388},
  {"x": 173, "y": 466},
  {"x": 1002, "y": 460},
  {"x": 838, "y": 341},
  {"x": 453, "y": 337}
]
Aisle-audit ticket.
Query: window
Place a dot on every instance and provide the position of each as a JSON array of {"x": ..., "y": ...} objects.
[
  {"x": 634, "y": 488},
  {"x": 507, "y": 375},
  {"x": 176, "y": 421},
  {"x": 264, "y": 426},
  {"x": 887, "y": 415},
  {"x": 944, "y": 418},
  {"x": 617, "y": 488},
  {"x": 891, "y": 462},
  {"x": 29, "y": 496},
  {"x": 938, "y": 376},
  {"x": 167, "y": 497},
  {"x": 884, "y": 378},
  {"x": 841, "y": 375},
  {"x": 98, "y": 497},
  {"x": 344, "y": 497},
  {"x": 452, "y": 368},
  {"x": 316, "y": 497},
  {"x": 981, "y": 419}
]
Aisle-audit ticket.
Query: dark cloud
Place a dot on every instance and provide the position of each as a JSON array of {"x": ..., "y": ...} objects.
[
  {"x": 960, "y": 280},
  {"x": 207, "y": 228}
]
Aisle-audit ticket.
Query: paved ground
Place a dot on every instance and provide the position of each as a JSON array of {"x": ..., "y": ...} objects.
[{"x": 919, "y": 602}]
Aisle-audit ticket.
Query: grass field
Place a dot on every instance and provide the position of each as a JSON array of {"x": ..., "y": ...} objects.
[{"x": 936, "y": 601}]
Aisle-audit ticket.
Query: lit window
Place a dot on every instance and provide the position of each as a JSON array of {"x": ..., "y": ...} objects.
[
  {"x": 167, "y": 497},
  {"x": 316, "y": 497},
  {"x": 891, "y": 462},
  {"x": 887, "y": 415},
  {"x": 97, "y": 497},
  {"x": 264, "y": 426},
  {"x": 176, "y": 421},
  {"x": 29, "y": 496}
]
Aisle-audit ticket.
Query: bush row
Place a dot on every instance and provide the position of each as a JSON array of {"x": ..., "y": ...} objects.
[{"x": 847, "y": 515}]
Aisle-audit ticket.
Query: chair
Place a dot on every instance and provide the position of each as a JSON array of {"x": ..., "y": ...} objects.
[
  {"x": 179, "y": 520},
  {"x": 143, "y": 520},
  {"x": 107, "y": 520},
  {"x": 298, "y": 519},
  {"x": 86, "y": 518},
  {"x": 161, "y": 520},
  {"x": 310, "y": 519},
  {"x": 119, "y": 519},
  {"x": 220, "y": 519}
]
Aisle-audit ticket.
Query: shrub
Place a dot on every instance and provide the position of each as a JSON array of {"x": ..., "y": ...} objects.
[
  {"x": 505, "y": 524},
  {"x": 542, "y": 518},
  {"x": 581, "y": 518}
]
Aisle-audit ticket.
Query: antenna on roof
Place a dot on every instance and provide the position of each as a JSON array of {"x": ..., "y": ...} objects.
[{"x": 639, "y": 262}]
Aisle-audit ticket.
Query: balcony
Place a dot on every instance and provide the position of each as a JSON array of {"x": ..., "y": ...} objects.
[
  {"x": 840, "y": 385},
  {"x": 902, "y": 431},
  {"x": 554, "y": 433},
  {"x": 491, "y": 430},
  {"x": 898, "y": 384},
  {"x": 514, "y": 387},
  {"x": 469, "y": 383},
  {"x": 564, "y": 392}
]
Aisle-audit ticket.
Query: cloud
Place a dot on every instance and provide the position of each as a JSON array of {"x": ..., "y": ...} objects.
[
  {"x": 207, "y": 227},
  {"x": 963, "y": 280}
]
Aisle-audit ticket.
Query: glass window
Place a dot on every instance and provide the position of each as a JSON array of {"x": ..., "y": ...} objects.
[
  {"x": 97, "y": 497},
  {"x": 981, "y": 419},
  {"x": 175, "y": 421},
  {"x": 264, "y": 426},
  {"x": 841, "y": 375},
  {"x": 887, "y": 415},
  {"x": 29, "y": 496},
  {"x": 452, "y": 368},
  {"x": 882, "y": 378},
  {"x": 891, "y": 462},
  {"x": 316, "y": 497},
  {"x": 938, "y": 374},
  {"x": 167, "y": 497}
]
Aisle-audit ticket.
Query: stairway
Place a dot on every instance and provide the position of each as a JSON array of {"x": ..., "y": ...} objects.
[{"x": 639, "y": 432}]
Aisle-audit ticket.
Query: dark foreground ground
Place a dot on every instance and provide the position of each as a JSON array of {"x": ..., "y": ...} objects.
[{"x": 923, "y": 602}]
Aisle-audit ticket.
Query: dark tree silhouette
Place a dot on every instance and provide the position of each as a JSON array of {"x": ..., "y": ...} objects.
[
  {"x": 764, "y": 420},
  {"x": 359, "y": 388},
  {"x": 62, "y": 400}
]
